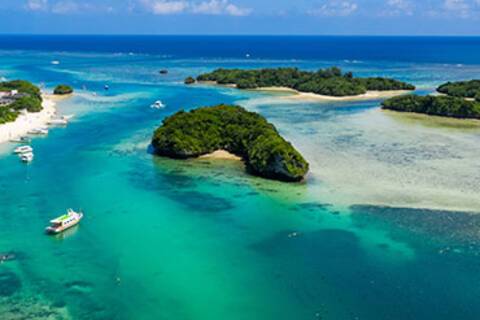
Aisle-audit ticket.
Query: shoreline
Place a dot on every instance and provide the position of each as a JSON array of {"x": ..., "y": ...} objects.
[
  {"x": 292, "y": 94},
  {"x": 29, "y": 121},
  {"x": 298, "y": 95}
]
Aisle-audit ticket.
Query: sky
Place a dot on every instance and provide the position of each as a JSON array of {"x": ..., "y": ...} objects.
[{"x": 263, "y": 17}]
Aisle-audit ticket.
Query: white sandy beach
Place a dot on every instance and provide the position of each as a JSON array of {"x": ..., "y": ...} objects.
[
  {"x": 221, "y": 155},
  {"x": 305, "y": 96},
  {"x": 29, "y": 121},
  {"x": 292, "y": 94}
]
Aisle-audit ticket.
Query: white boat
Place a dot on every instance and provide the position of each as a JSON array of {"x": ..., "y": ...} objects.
[
  {"x": 55, "y": 62},
  {"x": 26, "y": 157},
  {"x": 58, "y": 122},
  {"x": 20, "y": 140},
  {"x": 67, "y": 116},
  {"x": 106, "y": 87},
  {"x": 38, "y": 131},
  {"x": 158, "y": 105},
  {"x": 23, "y": 149},
  {"x": 62, "y": 223}
]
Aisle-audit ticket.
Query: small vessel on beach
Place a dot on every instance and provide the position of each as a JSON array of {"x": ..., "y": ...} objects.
[
  {"x": 38, "y": 131},
  {"x": 20, "y": 140},
  {"x": 58, "y": 122},
  {"x": 67, "y": 117},
  {"x": 62, "y": 223},
  {"x": 26, "y": 157},
  {"x": 23, "y": 149},
  {"x": 157, "y": 105}
]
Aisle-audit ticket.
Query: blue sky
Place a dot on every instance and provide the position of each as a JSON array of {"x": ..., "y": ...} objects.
[{"x": 320, "y": 17}]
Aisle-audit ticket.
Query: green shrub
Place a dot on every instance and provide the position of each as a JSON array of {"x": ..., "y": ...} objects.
[
  {"x": 63, "y": 89},
  {"x": 189, "y": 80}
]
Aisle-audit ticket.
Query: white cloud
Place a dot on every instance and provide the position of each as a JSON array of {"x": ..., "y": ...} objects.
[
  {"x": 36, "y": 5},
  {"x": 217, "y": 7},
  {"x": 334, "y": 8},
  {"x": 162, "y": 7},
  {"x": 210, "y": 7},
  {"x": 65, "y": 7},
  {"x": 459, "y": 7},
  {"x": 399, "y": 7}
]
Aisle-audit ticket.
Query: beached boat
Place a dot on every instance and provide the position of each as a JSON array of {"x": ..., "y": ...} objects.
[
  {"x": 23, "y": 149},
  {"x": 67, "y": 116},
  {"x": 158, "y": 105},
  {"x": 58, "y": 122},
  {"x": 62, "y": 223},
  {"x": 20, "y": 140},
  {"x": 38, "y": 131}
]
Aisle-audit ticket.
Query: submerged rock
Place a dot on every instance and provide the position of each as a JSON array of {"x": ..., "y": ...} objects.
[{"x": 9, "y": 283}]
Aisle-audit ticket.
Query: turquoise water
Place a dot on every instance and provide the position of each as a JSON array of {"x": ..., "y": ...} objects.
[{"x": 383, "y": 228}]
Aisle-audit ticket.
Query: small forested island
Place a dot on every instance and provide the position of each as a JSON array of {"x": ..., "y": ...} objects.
[
  {"x": 16, "y": 96},
  {"x": 233, "y": 129},
  {"x": 328, "y": 82},
  {"x": 461, "y": 100},
  {"x": 463, "y": 89},
  {"x": 63, "y": 89},
  {"x": 444, "y": 106}
]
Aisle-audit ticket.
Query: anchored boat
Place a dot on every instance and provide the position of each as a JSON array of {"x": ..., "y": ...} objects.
[
  {"x": 157, "y": 105},
  {"x": 68, "y": 220},
  {"x": 26, "y": 157},
  {"x": 23, "y": 150}
]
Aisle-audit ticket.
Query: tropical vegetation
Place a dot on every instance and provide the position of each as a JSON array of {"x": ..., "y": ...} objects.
[
  {"x": 28, "y": 98},
  {"x": 330, "y": 81},
  {"x": 445, "y": 106},
  {"x": 463, "y": 89},
  {"x": 234, "y": 129},
  {"x": 63, "y": 89}
]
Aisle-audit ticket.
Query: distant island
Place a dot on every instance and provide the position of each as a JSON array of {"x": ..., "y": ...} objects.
[
  {"x": 63, "y": 89},
  {"x": 444, "y": 106},
  {"x": 463, "y": 89},
  {"x": 17, "y": 96},
  {"x": 461, "y": 100},
  {"x": 328, "y": 82},
  {"x": 233, "y": 129}
]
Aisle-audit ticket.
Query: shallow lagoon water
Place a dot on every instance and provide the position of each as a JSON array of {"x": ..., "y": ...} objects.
[{"x": 385, "y": 227}]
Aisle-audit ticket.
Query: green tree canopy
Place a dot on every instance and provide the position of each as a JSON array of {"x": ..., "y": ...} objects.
[{"x": 231, "y": 128}]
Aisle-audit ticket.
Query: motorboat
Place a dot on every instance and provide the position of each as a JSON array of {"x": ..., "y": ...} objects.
[
  {"x": 26, "y": 157},
  {"x": 67, "y": 116},
  {"x": 38, "y": 131},
  {"x": 55, "y": 62},
  {"x": 23, "y": 149},
  {"x": 64, "y": 222},
  {"x": 157, "y": 105},
  {"x": 58, "y": 122},
  {"x": 106, "y": 87},
  {"x": 20, "y": 140}
]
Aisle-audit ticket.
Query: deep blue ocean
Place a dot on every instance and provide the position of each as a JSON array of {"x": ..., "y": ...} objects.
[
  {"x": 405, "y": 49},
  {"x": 386, "y": 225}
]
